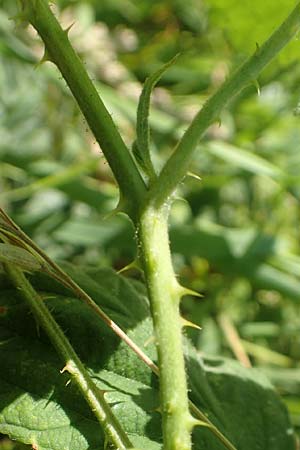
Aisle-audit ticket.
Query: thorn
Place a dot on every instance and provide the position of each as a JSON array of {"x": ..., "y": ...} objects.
[
  {"x": 186, "y": 291},
  {"x": 149, "y": 341},
  {"x": 200, "y": 423},
  {"x": 194, "y": 175},
  {"x": 68, "y": 382},
  {"x": 219, "y": 121},
  {"x": 105, "y": 391},
  {"x": 187, "y": 323},
  {"x": 257, "y": 47},
  {"x": 67, "y": 30},
  {"x": 67, "y": 368},
  {"x": 257, "y": 87},
  {"x": 120, "y": 208},
  {"x": 112, "y": 213},
  {"x": 181, "y": 199},
  {"x": 64, "y": 369},
  {"x": 133, "y": 265},
  {"x": 46, "y": 57}
]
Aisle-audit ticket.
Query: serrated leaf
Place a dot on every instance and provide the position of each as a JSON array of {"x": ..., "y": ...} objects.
[
  {"x": 140, "y": 147},
  {"x": 37, "y": 407},
  {"x": 257, "y": 420},
  {"x": 40, "y": 408}
]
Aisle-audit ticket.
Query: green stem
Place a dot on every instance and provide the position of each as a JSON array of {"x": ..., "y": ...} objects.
[
  {"x": 73, "y": 365},
  {"x": 178, "y": 164},
  {"x": 56, "y": 272},
  {"x": 16, "y": 236},
  {"x": 60, "y": 51},
  {"x": 164, "y": 293}
]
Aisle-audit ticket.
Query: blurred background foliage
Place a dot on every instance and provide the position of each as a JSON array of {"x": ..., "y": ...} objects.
[{"x": 235, "y": 232}]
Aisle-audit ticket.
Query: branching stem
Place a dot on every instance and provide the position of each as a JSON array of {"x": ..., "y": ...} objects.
[
  {"x": 56, "y": 272},
  {"x": 148, "y": 208}
]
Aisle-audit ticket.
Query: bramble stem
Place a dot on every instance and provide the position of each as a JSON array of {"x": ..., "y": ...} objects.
[
  {"x": 56, "y": 272},
  {"x": 147, "y": 208},
  {"x": 61, "y": 53},
  {"x": 15, "y": 235},
  {"x": 165, "y": 293},
  {"x": 178, "y": 164},
  {"x": 73, "y": 365}
]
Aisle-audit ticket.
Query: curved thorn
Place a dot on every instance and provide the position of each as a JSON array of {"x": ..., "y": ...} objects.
[
  {"x": 186, "y": 291},
  {"x": 133, "y": 265},
  {"x": 187, "y": 323},
  {"x": 194, "y": 175},
  {"x": 257, "y": 87}
]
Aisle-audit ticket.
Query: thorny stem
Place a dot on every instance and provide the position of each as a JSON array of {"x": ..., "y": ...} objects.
[
  {"x": 178, "y": 164},
  {"x": 164, "y": 293},
  {"x": 60, "y": 52},
  {"x": 73, "y": 365},
  {"x": 147, "y": 209},
  {"x": 17, "y": 236},
  {"x": 56, "y": 272}
]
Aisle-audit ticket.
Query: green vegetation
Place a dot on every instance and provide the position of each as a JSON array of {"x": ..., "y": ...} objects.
[{"x": 231, "y": 225}]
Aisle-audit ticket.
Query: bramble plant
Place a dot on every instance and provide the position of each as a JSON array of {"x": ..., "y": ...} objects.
[{"x": 80, "y": 309}]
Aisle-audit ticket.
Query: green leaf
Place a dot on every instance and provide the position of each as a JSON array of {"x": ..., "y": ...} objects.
[
  {"x": 239, "y": 400},
  {"x": 244, "y": 160},
  {"x": 36, "y": 405},
  {"x": 241, "y": 252},
  {"x": 19, "y": 256},
  {"x": 245, "y": 23},
  {"x": 140, "y": 147}
]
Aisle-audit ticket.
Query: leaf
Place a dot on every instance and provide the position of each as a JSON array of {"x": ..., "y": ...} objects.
[
  {"x": 241, "y": 252},
  {"x": 255, "y": 421},
  {"x": 244, "y": 159},
  {"x": 249, "y": 22},
  {"x": 267, "y": 277},
  {"x": 37, "y": 407},
  {"x": 140, "y": 147},
  {"x": 90, "y": 232},
  {"x": 35, "y": 403},
  {"x": 19, "y": 256}
]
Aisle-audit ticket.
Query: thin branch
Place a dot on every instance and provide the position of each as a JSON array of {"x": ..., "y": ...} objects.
[
  {"x": 234, "y": 340},
  {"x": 73, "y": 364},
  {"x": 17, "y": 236},
  {"x": 61, "y": 53},
  {"x": 178, "y": 164}
]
